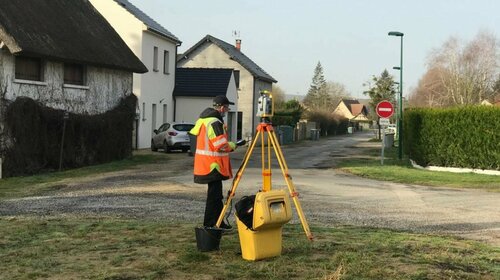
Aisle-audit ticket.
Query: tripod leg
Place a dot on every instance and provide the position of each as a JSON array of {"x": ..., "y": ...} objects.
[
  {"x": 291, "y": 188},
  {"x": 236, "y": 181}
]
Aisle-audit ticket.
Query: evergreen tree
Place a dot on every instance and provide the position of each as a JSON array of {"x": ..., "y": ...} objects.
[
  {"x": 383, "y": 88},
  {"x": 317, "y": 97}
]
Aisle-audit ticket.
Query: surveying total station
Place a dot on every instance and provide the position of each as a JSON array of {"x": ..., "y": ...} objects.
[{"x": 271, "y": 208}]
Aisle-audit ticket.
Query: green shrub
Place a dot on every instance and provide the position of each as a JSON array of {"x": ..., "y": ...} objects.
[
  {"x": 288, "y": 113},
  {"x": 455, "y": 137}
]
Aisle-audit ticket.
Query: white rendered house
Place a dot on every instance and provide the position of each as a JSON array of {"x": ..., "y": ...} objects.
[{"x": 156, "y": 47}]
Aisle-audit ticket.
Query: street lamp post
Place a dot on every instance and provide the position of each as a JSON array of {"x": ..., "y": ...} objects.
[{"x": 400, "y": 114}]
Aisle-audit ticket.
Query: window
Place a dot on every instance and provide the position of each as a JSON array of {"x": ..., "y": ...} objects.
[
  {"x": 165, "y": 62},
  {"x": 164, "y": 113},
  {"x": 153, "y": 117},
  {"x": 29, "y": 68},
  {"x": 237, "y": 78},
  {"x": 74, "y": 74},
  {"x": 143, "y": 111},
  {"x": 155, "y": 59},
  {"x": 239, "y": 125}
]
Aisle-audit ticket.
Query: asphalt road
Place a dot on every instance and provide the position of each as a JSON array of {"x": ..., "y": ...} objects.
[{"x": 327, "y": 196}]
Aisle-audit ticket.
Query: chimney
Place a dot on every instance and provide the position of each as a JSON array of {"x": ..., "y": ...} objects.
[{"x": 238, "y": 44}]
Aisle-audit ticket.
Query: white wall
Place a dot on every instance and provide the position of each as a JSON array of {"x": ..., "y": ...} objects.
[
  {"x": 152, "y": 88},
  {"x": 188, "y": 109},
  {"x": 156, "y": 86},
  {"x": 102, "y": 92}
]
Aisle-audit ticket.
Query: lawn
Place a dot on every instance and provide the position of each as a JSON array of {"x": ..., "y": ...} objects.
[
  {"x": 111, "y": 248},
  {"x": 369, "y": 165},
  {"x": 36, "y": 184}
]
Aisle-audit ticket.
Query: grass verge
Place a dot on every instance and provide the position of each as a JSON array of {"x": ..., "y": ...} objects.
[
  {"x": 395, "y": 170},
  {"x": 31, "y": 185},
  {"x": 109, "y": 248}
]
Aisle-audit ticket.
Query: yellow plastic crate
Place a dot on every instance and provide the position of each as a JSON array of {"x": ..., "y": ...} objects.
[
  {"x": 257, "y": 245},
  {"x": 271, "y": 211}
]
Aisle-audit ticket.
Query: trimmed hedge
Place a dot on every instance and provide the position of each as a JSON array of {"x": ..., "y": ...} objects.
[
  {"x": 328, "y": 123},
  {"x": 467, "y": 137},
  {"x": 36, "y": 133}
]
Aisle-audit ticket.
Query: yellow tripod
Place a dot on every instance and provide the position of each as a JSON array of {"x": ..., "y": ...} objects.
[{"x": 266, "y": 127}]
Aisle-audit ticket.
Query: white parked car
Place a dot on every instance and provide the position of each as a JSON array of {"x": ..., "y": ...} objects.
[{"x": 171, "y": 136}]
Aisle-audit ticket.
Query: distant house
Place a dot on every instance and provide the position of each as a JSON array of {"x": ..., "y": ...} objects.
[
  {"x": 354, "y": 111},
  {"x": 157, "y": 48},
  {"x": 63, "y": 54},
  {"x": 196, "y": 87},
  {"x": 211, "y": 52}
]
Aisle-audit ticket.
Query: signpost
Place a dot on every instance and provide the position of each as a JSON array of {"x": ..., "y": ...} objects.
[{"x": 384, "y": 110}]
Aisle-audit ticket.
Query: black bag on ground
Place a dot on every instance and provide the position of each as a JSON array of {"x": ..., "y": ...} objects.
[{"x": 244, "y": 210}]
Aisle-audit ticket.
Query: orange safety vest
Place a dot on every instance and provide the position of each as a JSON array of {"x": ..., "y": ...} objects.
[{"x": 211, "y": 160}]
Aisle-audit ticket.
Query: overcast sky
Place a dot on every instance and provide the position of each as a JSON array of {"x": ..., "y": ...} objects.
[{"x": 287, "y": 38}]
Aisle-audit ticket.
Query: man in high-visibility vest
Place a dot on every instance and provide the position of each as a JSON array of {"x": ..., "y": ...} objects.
[{"x": 211, "y": 159}]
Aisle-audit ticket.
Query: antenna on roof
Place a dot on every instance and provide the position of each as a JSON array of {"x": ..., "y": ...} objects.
[{"x": 236, "y": 34}]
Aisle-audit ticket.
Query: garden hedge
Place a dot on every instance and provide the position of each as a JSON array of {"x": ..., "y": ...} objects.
[
  {"x": 467, "y": 137},
  {"x": 35, "y": 135}
]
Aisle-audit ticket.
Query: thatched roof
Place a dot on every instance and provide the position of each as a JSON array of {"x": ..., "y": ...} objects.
[{"x": 64, "y": 30}]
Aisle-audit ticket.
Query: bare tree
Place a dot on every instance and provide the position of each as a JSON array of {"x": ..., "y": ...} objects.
[
  {"x": 430, "y": 90},
  {"x": 466, "y": 71},
  {"x": 337, "y": 92},
  {"x": 278, "y": 95},
  {"x": 496, "y": 89}
]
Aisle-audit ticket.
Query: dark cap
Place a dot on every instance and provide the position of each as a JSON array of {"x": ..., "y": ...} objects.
[{"x": 222, "y": 100}]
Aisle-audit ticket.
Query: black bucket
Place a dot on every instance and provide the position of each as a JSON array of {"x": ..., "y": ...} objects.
[{"x": 208, "y": 238}]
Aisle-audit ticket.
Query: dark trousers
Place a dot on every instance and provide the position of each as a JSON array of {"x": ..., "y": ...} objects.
[{"x": 213, "y": 207}]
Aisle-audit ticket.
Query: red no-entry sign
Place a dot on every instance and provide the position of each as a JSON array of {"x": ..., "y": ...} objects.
[{"x": 385, "y": 109}]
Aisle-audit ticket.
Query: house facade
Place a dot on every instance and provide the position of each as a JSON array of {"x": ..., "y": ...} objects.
[
  {"x": 251, "y": 79},
  {"x": 354, "y": 111},
  {"x": 64, "y": 57},
  {"x": 195, "y": 89},
  {"x": 59, "y": 63},
  {"x": 157, "y": 49}
]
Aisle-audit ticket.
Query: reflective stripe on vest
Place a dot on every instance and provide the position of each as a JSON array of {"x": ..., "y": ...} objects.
[
  {"x": 220, "y": 142},
  {"x": 210, "y": 153}
]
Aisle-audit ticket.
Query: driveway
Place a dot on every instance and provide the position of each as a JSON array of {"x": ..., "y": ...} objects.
[{"x": 327, "y": 196}]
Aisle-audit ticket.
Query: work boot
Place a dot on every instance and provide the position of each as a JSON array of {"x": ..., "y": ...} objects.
[
  {"x": 225, "y": 226},
  {"x": 226, "y": 229}
]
